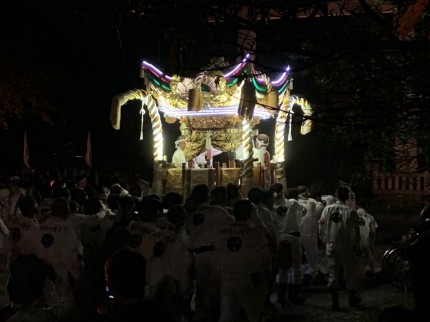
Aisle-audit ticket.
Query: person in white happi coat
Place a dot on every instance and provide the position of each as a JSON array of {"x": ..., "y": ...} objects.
[
  {"x": 202, "y": 220},
  {"x": 19, "y": 227},
  {"x": 288, "y": 213},
  {"x": 57, "y": 243},
  {"x": 339, "y": 230},
  {"x": 268, "y": 218},
  {"x": 368, "y": 227},
  {"x": 243, "y": 259},
  {"x": 308, "y": 228},
  {"x": 144, "y": 236},
  {"x": 315, "y": 193},
  {"x": 178, "y": 157},
  {"x": 257, "y": 195}
]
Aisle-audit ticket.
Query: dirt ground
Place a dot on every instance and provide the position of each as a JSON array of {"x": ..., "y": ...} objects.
[
  {"x": 376, "y": 298},
  {"x": 318, "y": 302}
]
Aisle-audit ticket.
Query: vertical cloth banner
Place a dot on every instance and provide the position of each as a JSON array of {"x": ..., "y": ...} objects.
[
  {"x": 26, "y": 154},
  {"x": 89, "y": 154}
]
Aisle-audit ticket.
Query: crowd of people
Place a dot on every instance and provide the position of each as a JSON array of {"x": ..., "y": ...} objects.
[{"x": 117, "y": 252}]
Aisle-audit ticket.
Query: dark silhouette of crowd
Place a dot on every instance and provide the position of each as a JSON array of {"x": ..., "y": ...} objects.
[{"x": 111, "y": 250}]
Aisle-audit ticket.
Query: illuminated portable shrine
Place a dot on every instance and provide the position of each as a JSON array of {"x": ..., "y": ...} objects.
[{"x": 218, "y": 108}]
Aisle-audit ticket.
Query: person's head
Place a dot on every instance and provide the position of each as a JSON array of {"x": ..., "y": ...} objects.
[
  {"x": 28, "y": 206},
  {"x": 125, "y": 274},
  {"x": 143, "y": 185},
  {"x": 112, "y": 201},
  {"x": 61, "y": 191},
  {"x": 176, "y": 215},
  {"x": 297, "y": 109},
  {"x": 200, "y": 194},
  {"x": 316, "y": 190},
  {"x": 172, "y": 199},
  {"x": 303, "y": 191},
  {"x": 242, "y": 210},
  {"x": 277, "y": 189},
  {"x": 261, "y": 140},
  {"x": 219, "y": 196},
  {"x": 14, "y": 185},
  {"x": 362, "y": 202},
  {"x": 328, "y": 200},
  {"x": 292, "y": 193},
  {"x": 268, "y": 199},
  {"x": 180, "y": 142},
  {"x": 233, "y": 192},
  {"x": 342, "y": 193},
  {"x": 126, "y": 203},
  {"x": 60, "y": 208},
  {"x": 149, "y": 210},
  {"x": 256, "y": 195},
  {"x": 118, "y": 189},
  {"x": 27, "y": 278},
  {"x": 91, "y": 206}
]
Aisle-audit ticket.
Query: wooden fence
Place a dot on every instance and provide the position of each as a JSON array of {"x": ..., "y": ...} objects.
[
  {"x": 400, "y": 190},
  {"x": 402, "y": 183}
]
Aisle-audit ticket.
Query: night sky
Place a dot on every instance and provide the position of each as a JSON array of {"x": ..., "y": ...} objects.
[
  {"x": 76, "y": 46},
  {"x": 87, "y": 54}
]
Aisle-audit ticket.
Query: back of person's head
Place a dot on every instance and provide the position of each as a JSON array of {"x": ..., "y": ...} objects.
[
  {"x": 316, "y": 190},
  {"x": 91, "y": 206},
  {"x": 342, "y": 193},
  {"x": 102, "y": 191},
  {"x": 117, "y": 188},
  {"x": 277, "y": 188},
  {"x": 268, "y": 198},
  {"x": 292, "y": 193},
  {"x": 149, "y": 196},
  {"x": 27, "y": 278},
  {"x": 242, "y": 210},
  {"x": 176, "y": 215},
  {"x": 28, "y": 206},
  {"x": 149, "y": 210},
  {"x": 200, "y": 194},
  {"x": 112, "y": 201},
  {"x": 60, "y": 208},
  {"x": 63, "y": 192},
  {"x": 219, "y": 196},
  {"x": 172, "y": 199},
  {"x": 303, "y": 191},
  {"x": 233, "y": 191},
  {"x": 126, "y": 203},
  {"x": 125, "y": 272},
  {"x": 14, "y": 184},
  {"x": 256, "y": 195},
  {"x": 362, "y": 202}
]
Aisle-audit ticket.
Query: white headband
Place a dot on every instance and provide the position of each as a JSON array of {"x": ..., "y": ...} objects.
[
  {"x": 179, "y": 141},
  {"x": 262, "y": 143}
]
